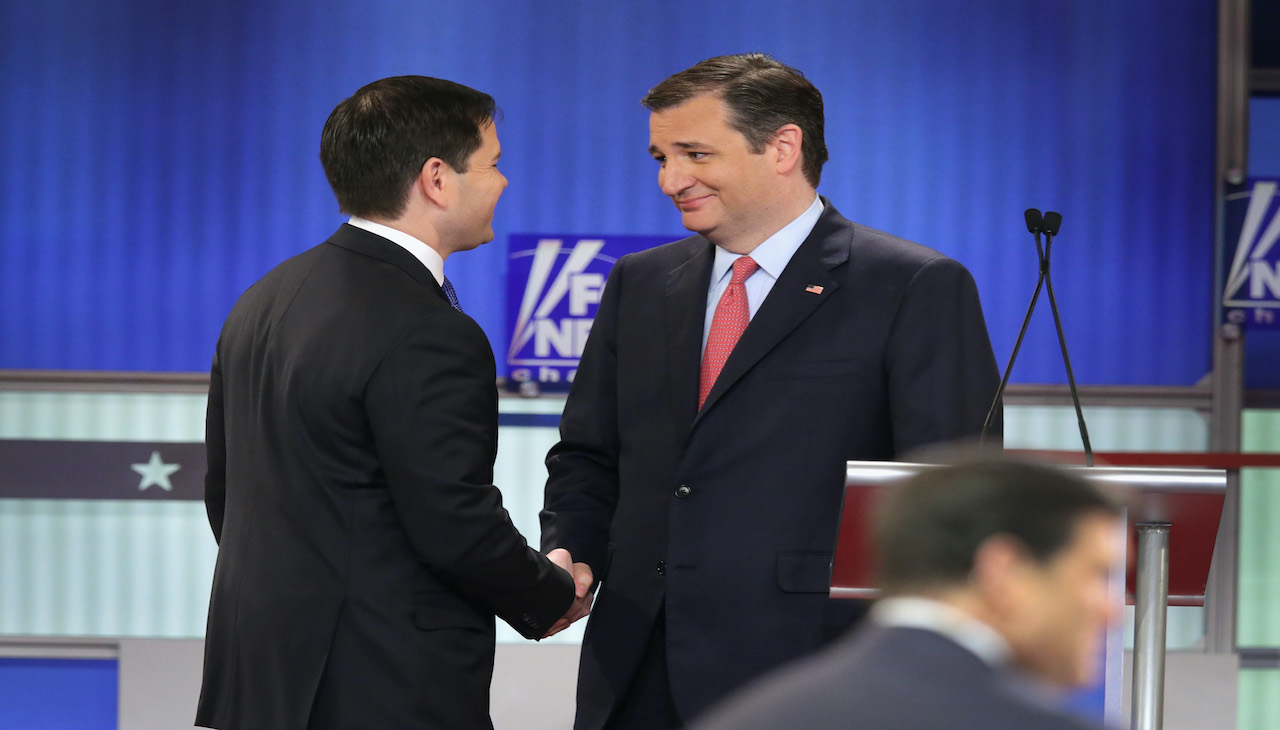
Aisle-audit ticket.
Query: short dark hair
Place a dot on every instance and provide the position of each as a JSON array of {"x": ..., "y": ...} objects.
[
  {"x": 929, "y": 530},
  {"x": 762, "y": 95},
  {"x": 375, "y": 143}
]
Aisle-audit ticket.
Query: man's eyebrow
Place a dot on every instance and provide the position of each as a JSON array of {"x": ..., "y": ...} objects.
[{"x": 683, "y": 146}]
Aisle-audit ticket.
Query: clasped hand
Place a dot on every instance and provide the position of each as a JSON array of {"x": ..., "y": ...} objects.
[{"x": 582, "y": 595}]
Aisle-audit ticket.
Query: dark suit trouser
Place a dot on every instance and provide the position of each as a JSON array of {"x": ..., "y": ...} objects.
[{"x": 648, "y": 704}]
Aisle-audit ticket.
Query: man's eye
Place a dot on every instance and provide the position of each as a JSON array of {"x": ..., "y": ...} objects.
[
  {"x": 697, "y": 155},
  {"x": 660, "y": 160}
]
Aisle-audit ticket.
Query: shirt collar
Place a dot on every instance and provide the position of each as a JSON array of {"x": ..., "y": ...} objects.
[
  {"x": 429, "y": 257},
  {"x": 777, "y": 250},
  {"x": 941, "y": 618}
]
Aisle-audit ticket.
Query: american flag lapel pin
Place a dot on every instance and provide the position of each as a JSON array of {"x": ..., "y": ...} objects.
[{"x": 813, "y": 289}]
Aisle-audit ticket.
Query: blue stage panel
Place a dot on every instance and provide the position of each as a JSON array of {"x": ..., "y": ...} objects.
[{"x": 59, "y": 694}]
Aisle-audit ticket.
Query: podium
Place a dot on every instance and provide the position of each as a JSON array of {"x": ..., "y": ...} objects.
[{"x": 1173, "y": 516}]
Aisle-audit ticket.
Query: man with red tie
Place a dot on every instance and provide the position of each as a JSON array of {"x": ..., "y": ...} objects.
[{"x": 727, "y": 379}]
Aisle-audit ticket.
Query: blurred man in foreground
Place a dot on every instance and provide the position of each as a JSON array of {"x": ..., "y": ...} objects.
[{"x": 995, "y": 579}]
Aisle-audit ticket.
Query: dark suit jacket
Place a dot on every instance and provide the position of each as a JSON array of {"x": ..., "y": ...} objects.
[
  {"x": 892, "y": 679},
  {"x": 728, "y": 515},
  {"x": 363, "y": 551}
]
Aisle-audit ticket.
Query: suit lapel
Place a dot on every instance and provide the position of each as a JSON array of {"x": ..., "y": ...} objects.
[
  {"x": 684, "y": 307},
  {"x": 370, "y": 244},
  {"x": 804, "y": 285}
]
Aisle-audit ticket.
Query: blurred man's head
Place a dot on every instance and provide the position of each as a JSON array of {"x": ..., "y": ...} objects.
[{"x": 1028, "y": 550}]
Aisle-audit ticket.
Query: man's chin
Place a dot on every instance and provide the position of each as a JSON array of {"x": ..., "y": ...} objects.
[
  {"x": 479, "y": 241},
  {"x": 696, "y": 223},
  {"x": 1079, "y": 676}
]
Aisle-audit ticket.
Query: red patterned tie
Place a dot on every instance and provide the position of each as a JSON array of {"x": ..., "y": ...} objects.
[{"x": 727, "y": 325}]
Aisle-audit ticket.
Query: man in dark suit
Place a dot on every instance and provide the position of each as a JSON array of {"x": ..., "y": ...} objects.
[
  {"x": 352, "y": 431},
  {"x": 996, "y": 584},
  {"x": 699, "y": 476}
]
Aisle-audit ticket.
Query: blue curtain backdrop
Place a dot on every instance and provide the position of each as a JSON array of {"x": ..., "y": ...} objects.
[{"x": 158, "y": 157}]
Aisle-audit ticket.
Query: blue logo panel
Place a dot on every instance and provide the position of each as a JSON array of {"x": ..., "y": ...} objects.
[
  {"x": 554, "y": 285},
  {"x": 1251, "y": 295}
]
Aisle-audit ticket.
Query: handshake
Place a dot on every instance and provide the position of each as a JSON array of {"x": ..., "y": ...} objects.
[{"x": 582, "y": 595}]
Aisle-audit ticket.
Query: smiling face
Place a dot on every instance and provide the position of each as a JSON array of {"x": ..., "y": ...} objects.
[
  {"x": 735, "y": 197},
  {"x": 477, "y": 193}
]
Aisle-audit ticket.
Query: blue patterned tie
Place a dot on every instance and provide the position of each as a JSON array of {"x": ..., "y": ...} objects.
[{"x": 450, "y": 294}]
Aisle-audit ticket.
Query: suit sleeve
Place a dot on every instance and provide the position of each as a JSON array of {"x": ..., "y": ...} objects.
[
  {"x": 942, "y": 373},
  {"x": 215, "y": 440},
  {"x": 582, "y": 482},
  {"x": 432, "y": 407}
]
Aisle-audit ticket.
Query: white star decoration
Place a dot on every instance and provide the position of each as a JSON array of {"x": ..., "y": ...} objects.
[{"x": 155, "y": 473}]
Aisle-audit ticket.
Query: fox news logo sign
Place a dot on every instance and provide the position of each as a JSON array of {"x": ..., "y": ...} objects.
[
  {"x": 554, "y": 285},
  {"x": 1251, "y": 296}
]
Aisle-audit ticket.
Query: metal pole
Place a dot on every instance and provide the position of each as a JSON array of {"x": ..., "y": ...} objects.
[
  {"x": 1222, "y": 588},
  {"x": 1232, "y": 159},
  {"x": 1151, "y": 601}
]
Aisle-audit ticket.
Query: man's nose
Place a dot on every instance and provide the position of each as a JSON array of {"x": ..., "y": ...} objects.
[{"x": 672, "y": 178}]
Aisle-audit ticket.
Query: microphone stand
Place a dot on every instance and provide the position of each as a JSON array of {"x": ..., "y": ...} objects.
[
  {"x": 1052, "y": 221},
  {"x": 1034, "y": 225},
  {"x": 1048, "y": 224}
]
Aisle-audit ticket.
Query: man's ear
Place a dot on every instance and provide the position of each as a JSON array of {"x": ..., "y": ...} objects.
[
  {"x": 999, "y": 564},
  {"x": 787, "y": 146},
  {"x": 434, "y": 182}
]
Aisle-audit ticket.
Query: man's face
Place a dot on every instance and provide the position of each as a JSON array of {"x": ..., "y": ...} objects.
[
  {"x": 1066, "y": 604},
  {"x": 723, "y": 190},
  {"x": 478, "y": 191}
]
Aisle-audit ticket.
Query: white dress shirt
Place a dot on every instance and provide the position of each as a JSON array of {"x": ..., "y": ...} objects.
[
  {"x": 421, "y": 251},
  {"x": 772, "y": 256}
]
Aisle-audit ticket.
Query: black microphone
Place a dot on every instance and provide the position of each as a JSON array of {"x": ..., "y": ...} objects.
[
  {"x": 1035, "y": 223},
  {"x": 1052, "y": 222}
]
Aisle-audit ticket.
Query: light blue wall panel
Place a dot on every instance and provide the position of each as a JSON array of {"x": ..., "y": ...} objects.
[
  {"x": 144, "y": 568},
  {"x": 1259, "y": 608}
]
